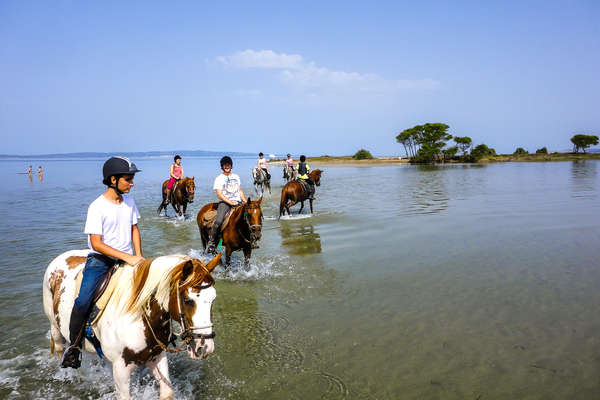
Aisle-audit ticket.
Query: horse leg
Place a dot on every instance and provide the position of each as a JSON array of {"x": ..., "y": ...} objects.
[
  {"x": 122, "y": 375},
  {"x": 57, "y": 341},
  {"x": 228, "y": 252},
  {"x": 160, "y": 370},
  {"x": 311, "y": 209},
  {"x": 184, "y": 207},
  {"x": 301, "y": 207},
  {"x": 247, "y": 254}
]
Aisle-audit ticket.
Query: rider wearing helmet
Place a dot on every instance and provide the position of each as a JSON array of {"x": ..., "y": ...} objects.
[
  {"x": 289, "y": 162},
  {"x": 113, "y": 236},
  {"x": 229, "y": 191},
  {"x": 303, "y": 170},
  {"x": 175, "y": 174}
]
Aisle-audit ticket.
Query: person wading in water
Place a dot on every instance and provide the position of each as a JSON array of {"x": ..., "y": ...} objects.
[
  {"x": 113, "y": 236},
  {"x": 229, "y": 191}
]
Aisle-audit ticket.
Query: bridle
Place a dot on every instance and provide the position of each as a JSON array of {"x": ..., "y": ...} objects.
[
  {"x": 255, "y": 229},
  {"x": 186, "y": 195},
  {"x": 188, "y": 332}
]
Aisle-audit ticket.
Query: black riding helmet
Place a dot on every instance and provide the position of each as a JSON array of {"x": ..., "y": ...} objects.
[
  {"x": 117, "y": 166},
  {"x": 226, "y": 160}
]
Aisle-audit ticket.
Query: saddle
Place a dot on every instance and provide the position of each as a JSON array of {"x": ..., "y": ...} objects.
[
  {"x": 305, "y": 184},
  {"x": 103, "y": 291},
  {"x": 209, "y": 217}
]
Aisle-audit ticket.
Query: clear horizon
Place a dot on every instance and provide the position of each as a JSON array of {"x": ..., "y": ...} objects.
[{"x": 307, "y": 78}]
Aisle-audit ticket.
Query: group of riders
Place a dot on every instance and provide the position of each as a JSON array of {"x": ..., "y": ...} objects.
[
  {"x": 300, "y": 171},
  {"x": 114, "y": 237}
]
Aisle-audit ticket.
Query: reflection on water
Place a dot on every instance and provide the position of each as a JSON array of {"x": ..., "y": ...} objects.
[
  {"x": 584, "y": 179},
  {"x": 425, "y": 192},
  {"x": 300, "y": 236}
]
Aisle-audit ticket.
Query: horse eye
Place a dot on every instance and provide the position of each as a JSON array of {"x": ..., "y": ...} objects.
[{"x": 188, "y": 301}]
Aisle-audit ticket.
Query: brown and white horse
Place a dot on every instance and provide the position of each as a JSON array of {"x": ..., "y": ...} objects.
[
  {"x": 135, "y": 327},
  {"x": 181, "y": 195},
  {"x": 294, "y": 192}
]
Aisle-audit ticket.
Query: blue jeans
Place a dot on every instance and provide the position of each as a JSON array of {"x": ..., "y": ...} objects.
[{"x": 96, "y": 266}]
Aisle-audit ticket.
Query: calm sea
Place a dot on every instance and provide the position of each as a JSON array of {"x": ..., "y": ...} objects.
[{"x": 439, "y": 282}]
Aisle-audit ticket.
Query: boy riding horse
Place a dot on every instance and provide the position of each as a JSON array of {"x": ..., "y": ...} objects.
[{"x": 113, "y": 236}]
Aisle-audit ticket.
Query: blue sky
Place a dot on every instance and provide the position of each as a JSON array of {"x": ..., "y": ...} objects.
[{"x": 301, "y": 77}]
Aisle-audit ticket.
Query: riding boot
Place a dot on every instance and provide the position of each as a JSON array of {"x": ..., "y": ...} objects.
[
  {"x": 168, "y": 199},
  {"x": 311, "y": 190},
  {"x": 72, "y": 357},
  {"x": 212, "y": 238}
]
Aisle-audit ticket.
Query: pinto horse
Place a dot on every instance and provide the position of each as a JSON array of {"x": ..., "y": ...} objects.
[
  {"x": 135, "y": 326},
  {"x": 294, "y": 192},
  {"x": 243, "y": 231},
  {"x": 181, "y": 195}
]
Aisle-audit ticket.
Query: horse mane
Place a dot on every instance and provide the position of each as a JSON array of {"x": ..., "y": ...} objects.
[{"x": 153, "y": 278}]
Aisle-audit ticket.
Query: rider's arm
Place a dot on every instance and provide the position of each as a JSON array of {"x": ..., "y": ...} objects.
[
  {"x": 101, "y": 247},
  {"x": 222, "y": 197},
  {"x": 137, "y": 240},
  {"x": 182, "y": 173},
  {"x": 171, "y": 172}
]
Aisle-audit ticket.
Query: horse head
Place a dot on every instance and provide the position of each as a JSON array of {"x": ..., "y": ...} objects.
[
  {"x": 190, "y": 188},
  {"x": 190, "y": 303},
  {"x": 253, "y": 216},
  {"x": 316, "y": 176}
]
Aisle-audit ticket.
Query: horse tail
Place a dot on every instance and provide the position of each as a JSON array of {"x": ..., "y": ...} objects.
[{"x": 282, "y": 202}]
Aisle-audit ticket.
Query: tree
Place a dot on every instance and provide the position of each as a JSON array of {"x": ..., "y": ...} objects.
[
  {"x": 520, "y": 151},
  {"x": 362, "y": 154},
  {"x": 449, "y": 153},
  {"x": 463, "y": 143},
  {"x": 481, "y": 151},
  {"x": 543, "y": 150},
  {"x": 583, "y": 142},
  {"x": 409, "y": 139}
]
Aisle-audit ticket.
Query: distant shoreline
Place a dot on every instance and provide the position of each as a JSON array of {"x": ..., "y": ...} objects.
[{"x": 348, "y": 160}]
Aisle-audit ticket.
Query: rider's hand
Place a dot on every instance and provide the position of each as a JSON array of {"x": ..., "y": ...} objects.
[{"x": 134, "y": 260}]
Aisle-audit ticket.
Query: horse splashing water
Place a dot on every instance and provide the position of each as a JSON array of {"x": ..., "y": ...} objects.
[
  {"x": 295, "y": 191},
  {"x": 241, "y": 230},
  {"x": 135, "y": 327},
  {"x": 181, "y": 195}
]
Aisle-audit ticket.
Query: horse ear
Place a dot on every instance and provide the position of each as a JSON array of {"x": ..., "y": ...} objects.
[
  {"x": 249, "y": 200},
  {"x": 259, "y": 199},
  {"x": 187, "y": 270},
  {"x": 213, "y": 263}
]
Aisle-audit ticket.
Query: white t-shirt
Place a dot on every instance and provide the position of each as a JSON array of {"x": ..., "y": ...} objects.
[
  {"x": 229, "y": 185},
  {"x": 113, "y": 222}
]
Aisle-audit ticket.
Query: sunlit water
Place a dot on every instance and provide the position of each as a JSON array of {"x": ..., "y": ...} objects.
[{"x": 453, "y": 282}]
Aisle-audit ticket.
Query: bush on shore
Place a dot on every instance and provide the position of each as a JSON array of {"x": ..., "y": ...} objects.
[
  {"x": 543, "y": 150},
  {"x": 520, "y": 151},
  {"x": 362, "y": 154}
]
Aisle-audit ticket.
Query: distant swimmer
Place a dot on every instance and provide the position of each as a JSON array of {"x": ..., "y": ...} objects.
[
  {"x": 30, "y": 170},
  {"x": 40, "y": 173}
]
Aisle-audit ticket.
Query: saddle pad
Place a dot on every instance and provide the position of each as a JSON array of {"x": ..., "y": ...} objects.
[
  {"x": 209, "y": 217},
  {"x": 110, "y": 288}
]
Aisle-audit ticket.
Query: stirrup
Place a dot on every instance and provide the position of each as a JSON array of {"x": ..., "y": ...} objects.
[
  {"x": 72, "y": 358},
  {"x": 211, "y": 248}
]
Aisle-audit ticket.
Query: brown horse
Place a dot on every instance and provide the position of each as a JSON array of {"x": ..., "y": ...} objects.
[
  {"x": 294, "y": 192},
  {"x": 242, "y": 232},
  {"x": 181, "y": 195}
]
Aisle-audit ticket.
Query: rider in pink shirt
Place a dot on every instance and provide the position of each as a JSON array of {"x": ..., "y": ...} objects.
[{"x": 175, "y": 174}]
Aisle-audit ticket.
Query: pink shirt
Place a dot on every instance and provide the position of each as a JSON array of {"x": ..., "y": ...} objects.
[
  {"x": 177, "y": 170},
  {"x": 262, "y": 162},
  {"x": 290, "y": 162}
]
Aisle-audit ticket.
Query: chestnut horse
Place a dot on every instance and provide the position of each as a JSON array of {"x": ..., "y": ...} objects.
[
  {"x": 242, "y": 232},
  {"x": 181, "y": 195},
  {"x": 294, "y": 192}
]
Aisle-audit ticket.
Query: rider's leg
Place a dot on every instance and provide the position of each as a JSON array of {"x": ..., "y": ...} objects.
[
  {"x": 168, "y": 198},
  {"x": 222, "y": 210},
  {"x": 267, "y": 174},
  {"x": 93, "y": 272},
  {"x": 311, "y": 189}
]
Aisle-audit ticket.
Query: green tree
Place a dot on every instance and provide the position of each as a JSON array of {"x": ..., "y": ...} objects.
[
  {"x": 543, "y": 150},
  {"x": 520, "y": 151},
  {"x": 464, "y": 143},
  {"x": 431, "y": 139},
  {"x": 362, "y": 154},
  {"x": 410, "y": 140},
  {"x": 481, "y": 151},
  {"x": 583, "y": 142},
  {"x": 449, "y": 152}
]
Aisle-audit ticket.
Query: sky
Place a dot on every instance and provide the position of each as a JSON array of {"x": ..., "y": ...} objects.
[{"x": 310, "y": 78}]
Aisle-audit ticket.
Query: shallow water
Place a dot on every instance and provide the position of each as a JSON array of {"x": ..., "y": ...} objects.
[{"x": 454, "y": 282}]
